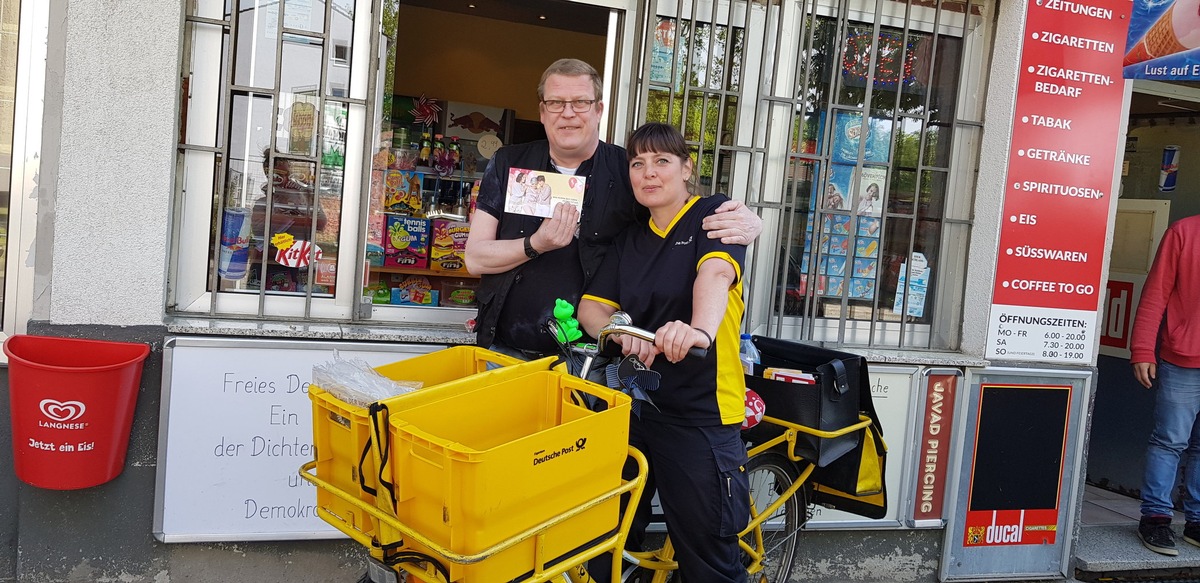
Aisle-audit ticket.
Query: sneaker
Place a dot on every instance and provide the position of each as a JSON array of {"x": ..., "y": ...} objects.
[
  {"x": 1191, "y": 533},
  {"x": 1156, "y": 534}
]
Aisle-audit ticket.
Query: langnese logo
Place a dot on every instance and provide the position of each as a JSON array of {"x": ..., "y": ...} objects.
[
  {"x": 61, "y": 413},
  {"x": 541, "y": 456}
]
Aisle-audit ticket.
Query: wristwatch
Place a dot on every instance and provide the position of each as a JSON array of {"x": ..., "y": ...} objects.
[{"x": 530, "y": 252}]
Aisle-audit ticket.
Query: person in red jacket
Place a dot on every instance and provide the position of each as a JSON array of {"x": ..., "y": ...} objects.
[{"x": 1168, "y": 315}]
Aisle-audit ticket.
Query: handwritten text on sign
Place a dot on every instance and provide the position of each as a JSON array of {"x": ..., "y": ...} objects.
[{"x": 237, "y": 426}]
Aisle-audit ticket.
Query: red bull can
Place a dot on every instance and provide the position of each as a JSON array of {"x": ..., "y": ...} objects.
[
  {"x": 1170, "y": 168},
  {"x": 235, "y": 244}
]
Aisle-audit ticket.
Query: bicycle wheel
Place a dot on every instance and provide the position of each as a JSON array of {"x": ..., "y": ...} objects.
[{"x": 770, "y": 476}]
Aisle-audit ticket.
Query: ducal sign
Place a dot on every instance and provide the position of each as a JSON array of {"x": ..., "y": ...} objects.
[{"x": 1000, "y": 534}]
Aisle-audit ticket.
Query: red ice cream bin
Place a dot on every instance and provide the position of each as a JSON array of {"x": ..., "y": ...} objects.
[{"x": 72, "y": 407}]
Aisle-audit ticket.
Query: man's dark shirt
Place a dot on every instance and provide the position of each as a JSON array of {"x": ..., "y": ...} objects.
[{"x": 514, "y": 305}]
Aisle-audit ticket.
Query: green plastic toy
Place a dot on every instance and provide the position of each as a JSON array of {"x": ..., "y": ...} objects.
[{"x": 568, "y": 327}]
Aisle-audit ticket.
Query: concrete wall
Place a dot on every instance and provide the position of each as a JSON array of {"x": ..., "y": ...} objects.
[
  {"x": 103, "y": 211},
  {"x": 993, "y": 170}
]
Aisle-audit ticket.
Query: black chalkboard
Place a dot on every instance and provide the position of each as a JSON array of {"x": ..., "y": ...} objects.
[{"x": 1019, "y": 447}]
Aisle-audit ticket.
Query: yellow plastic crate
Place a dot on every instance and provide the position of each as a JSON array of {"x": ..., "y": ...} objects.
[
  {"x": 342, "y": 432},
  {"x": 477, "y": 461}
]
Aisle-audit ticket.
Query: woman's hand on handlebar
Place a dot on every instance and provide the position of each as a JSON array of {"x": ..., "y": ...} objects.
[
  {"x": 644, "y": 350},
  {"x": 675, "y": 339}
]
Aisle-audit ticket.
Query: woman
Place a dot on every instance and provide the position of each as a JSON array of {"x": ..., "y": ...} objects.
[
  {"x": 670, "y": 277},
  {"x": 867, "y": 206},
  {"x": 516, "y": 201}
]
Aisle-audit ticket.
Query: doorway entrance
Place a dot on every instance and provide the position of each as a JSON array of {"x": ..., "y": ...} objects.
[
  {"x": 1163, "y": 118},
  {"x": 456, "y": 81}
]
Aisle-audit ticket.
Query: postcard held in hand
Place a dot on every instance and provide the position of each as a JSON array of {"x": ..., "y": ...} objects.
[{"x": 534, "y": 192}]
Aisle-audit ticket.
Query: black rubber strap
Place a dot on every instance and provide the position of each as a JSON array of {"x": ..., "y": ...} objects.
[
  {"x": 362, "y": 479},
  {"x": 385, "y": 446}
]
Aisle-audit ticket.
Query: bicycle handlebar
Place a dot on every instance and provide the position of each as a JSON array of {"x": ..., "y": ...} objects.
[{"x": 620, "y": 326}]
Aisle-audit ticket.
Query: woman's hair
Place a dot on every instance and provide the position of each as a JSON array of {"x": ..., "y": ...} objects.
[
  {"x": 661, "y": 138},
  {"x": 875, "y": 187},
  {"x": 520, "y": 177},
  {"x": 657, "y": 137},
  {"x": 572, "y": 68}
]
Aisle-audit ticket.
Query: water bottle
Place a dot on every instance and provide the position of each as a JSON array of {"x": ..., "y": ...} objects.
[{"x": 749, "y": 354}]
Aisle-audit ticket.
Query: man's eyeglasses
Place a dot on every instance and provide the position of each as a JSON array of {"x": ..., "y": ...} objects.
[{"x": 578, "y": 106}]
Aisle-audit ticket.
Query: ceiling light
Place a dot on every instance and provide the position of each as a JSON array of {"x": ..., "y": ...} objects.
[
  {"x": 542, "y": 17},
  {"x": 470, "y": 5}
]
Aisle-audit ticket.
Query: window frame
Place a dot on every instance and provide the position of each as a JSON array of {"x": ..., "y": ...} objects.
[{"x": 203, "y": 158}]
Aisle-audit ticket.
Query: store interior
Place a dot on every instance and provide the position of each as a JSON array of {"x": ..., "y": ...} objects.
[
  {"x": 1161, "y": 115},
  {"x": 463, "y": 79}
]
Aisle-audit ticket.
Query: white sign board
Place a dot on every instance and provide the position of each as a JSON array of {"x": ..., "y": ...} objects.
[
  {"x": 1038, "y": 334},
  {"x": 235, "y": 427},
  {"x": 892, "y": 394}
]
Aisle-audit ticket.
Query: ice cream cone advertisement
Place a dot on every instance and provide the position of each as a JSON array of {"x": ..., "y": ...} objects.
[{"x": 1164, "y": 40}]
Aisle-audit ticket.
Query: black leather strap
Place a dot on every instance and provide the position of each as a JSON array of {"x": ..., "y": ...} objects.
[
  {"x": 840, "y": 383},
  {"x": 530, "y": 252}
]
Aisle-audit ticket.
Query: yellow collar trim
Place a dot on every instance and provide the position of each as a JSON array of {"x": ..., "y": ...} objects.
[{"x": 664, "y": 232}]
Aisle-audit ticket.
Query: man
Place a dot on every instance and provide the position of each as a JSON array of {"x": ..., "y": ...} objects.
[
  {"x": 1169, "y": 315},
  {"x": 526, "y": 261}
]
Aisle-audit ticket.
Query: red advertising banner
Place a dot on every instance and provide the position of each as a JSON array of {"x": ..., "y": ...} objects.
[
  {"x": 936, "y": 441},
  {"x": 1012, "y": 527},
  {"x": 1118, "y": 321},
  {"x": 1060, "y": 175}
]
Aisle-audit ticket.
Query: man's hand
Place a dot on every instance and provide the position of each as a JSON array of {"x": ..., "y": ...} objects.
[
  {"x": 1145, "y": 372},
  {"x": 733, "y": 223},
  {"x": 557, "y": 231}
]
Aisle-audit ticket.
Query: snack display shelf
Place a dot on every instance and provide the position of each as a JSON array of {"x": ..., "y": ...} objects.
[{"x": 424, "y": 271}]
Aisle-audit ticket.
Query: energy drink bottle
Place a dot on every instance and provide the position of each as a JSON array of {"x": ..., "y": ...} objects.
[
  {"x": 1170, "y": 169},
  {"x": 235, "y": 244}
]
